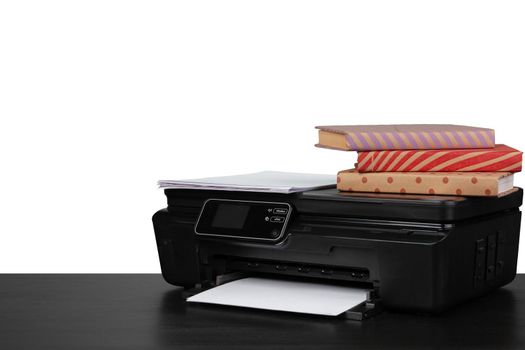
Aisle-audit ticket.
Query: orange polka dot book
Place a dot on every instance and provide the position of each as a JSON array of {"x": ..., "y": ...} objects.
[
  {"x": 423, "y": 159},
  {"x": 445, "y": 183}
]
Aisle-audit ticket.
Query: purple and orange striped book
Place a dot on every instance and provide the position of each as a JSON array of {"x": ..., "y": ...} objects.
[
  {"x": 500, "y": 158},
  {"x": 404, "y": 136}
]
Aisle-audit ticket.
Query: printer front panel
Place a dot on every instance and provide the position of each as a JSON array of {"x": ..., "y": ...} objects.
[
  {"x": 413, "y": 266},
  {"x": 401, "y": 272},
  {"x": 385, "y": 259}
]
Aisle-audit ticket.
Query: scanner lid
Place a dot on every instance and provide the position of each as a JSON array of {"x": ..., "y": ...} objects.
[
  {"x": 405, "y": 206},
  {"x": 379, "y": 206}
]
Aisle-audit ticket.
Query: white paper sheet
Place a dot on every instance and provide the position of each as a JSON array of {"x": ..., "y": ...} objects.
[
  {"x": 282, "y": 295},
  {"x": 264, "y": 181}
]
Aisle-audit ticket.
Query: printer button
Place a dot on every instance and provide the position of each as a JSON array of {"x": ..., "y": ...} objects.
[
  {"x": 280, "y": 211},
  {"x": 281, "y": 267},
  {"x": 278, "y": 219}
]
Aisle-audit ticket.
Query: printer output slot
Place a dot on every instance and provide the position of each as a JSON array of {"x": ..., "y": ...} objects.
[
  {"x": 285, "y": 268},
  {"x": 242, "y": 268}
]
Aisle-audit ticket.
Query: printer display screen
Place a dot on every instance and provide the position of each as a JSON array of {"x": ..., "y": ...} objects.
[
  {"x": 243, "y": 219},
  {"x": 230, "y": 216}
]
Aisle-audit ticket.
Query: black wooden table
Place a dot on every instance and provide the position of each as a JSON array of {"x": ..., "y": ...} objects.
[{"x": 141, "y": 311}]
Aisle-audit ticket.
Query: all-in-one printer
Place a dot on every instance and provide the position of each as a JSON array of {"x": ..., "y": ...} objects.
[{"x": 414, "y": 252}]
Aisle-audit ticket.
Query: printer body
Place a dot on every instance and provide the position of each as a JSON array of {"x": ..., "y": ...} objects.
[{"x": 416, "y": 253}]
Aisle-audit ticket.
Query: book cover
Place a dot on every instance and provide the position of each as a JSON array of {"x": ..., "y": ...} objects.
[
  {"x": 499, "y": 158},
  {"x": 444, "y": 183},
  {"x": 407, "y": 136}
]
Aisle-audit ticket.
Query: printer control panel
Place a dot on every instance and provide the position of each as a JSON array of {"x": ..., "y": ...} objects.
[{"x": 254, "y": 220}]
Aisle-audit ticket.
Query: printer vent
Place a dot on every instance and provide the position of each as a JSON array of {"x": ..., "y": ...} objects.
[{"x": 488, "y": 259}]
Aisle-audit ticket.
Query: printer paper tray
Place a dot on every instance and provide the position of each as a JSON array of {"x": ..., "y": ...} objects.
[{"x": 292, "y": 295}]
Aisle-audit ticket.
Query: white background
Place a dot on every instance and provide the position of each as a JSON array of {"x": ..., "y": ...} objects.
[{"x": 99, "y": 99}]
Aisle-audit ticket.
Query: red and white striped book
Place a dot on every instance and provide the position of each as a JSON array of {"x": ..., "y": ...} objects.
[{"x": 499, "y": 158}]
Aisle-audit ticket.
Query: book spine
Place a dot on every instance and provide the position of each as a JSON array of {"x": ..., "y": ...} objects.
[
  {"x": 420, "y": 183},
  {"x": 367, "y": 141},
  {"x": 489, "y": 160}
]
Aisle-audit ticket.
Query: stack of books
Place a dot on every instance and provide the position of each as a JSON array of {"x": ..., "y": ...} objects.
[{"x": 423, "y": 159}]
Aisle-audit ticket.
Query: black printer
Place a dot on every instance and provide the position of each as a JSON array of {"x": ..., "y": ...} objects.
[{"x": 415, "y": 253}]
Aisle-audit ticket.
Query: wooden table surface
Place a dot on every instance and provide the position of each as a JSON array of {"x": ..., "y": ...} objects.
[{"x": 141, "y": 311}]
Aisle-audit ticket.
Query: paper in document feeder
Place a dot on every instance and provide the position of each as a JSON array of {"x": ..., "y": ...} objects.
[
  {"x": 264, "y": 181},
  {"x": 283, "y": 295}
]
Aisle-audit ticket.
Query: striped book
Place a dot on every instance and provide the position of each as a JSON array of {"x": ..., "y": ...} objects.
[
  {"x": 394, "y": 137},
  {"x": 500, "y": 158}
]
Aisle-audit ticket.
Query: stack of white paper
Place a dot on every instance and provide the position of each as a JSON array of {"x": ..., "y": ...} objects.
[
  {"x": 282, "y": 295},
  {"x": 265, "y": 181}
]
